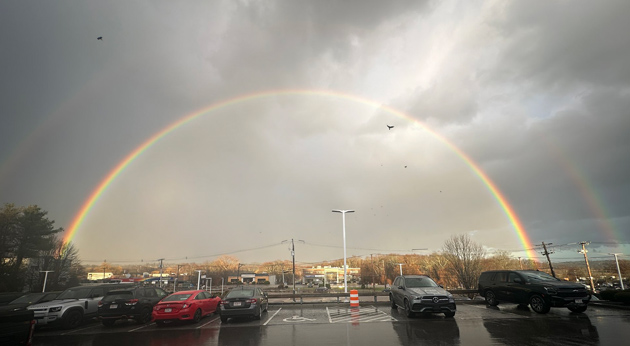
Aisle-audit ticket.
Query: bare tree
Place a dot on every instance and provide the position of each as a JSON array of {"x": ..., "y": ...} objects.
[{"x": 464, "y": 258}]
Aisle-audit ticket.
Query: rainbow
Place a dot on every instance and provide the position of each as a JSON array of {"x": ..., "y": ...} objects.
[{"x": 120, "y": 167}]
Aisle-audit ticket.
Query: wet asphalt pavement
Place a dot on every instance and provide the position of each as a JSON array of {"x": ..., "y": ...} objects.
[{"x": 338, "y": 324}]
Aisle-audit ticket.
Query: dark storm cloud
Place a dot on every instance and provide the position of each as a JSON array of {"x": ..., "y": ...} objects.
[{"x": 531, "y": 91}]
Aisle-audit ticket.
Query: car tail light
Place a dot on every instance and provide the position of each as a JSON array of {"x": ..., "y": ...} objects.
[
  {"x": 131, "y": 302},
  {"x": 100, "y": 303},
  {"x": 225, "y": 302},
  {"x": 253, "y": 300}
]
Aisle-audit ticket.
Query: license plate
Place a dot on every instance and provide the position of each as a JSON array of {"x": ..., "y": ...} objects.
[
  {"x": 579, "y": 301},
  {"x": 168, "y": 310},
  {"x": 236, "y": 304},
  {"x": 113, "y": 306}
]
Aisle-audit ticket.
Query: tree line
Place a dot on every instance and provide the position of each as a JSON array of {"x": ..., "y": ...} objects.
[{"x": 31, "y": 245}]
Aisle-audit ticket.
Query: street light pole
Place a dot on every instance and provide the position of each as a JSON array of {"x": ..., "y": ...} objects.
[
  {"x": 198, "y": 278},
  {"x": 400, "y": 265},
  {"x": 345, "y": 267},
  {"x": 618, "y": 271},
  {"x": 50, "y": 271}
]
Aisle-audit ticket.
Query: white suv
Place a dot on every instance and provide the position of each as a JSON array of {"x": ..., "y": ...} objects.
[{"x": 72, "y": 306}]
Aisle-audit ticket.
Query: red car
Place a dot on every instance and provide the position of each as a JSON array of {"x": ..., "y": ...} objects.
[{"x": 185, "y": 306}]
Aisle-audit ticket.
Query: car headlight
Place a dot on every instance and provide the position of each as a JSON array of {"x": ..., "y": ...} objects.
[
  {"x": 55, "y": 309},
  {"x": 551, "y": 290}
]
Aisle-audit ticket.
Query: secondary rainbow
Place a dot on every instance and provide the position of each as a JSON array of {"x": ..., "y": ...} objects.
[{"x": 120, "y": 167}]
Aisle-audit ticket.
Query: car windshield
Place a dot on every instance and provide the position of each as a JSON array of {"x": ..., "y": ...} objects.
[
  {"x": 240, "y": 294},
  {"x": 177, "y": 297},
  {"x": 111, "y": 296},
  {"x": 28, "y": 298},
  {"x": 420, "y": 282},
  {"x": 539, "y": 276},
  {"x": 75, "y": 293}
]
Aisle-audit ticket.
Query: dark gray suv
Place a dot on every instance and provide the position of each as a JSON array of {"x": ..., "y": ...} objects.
[
  {"x": 419, "y": 293},
  {"x": 538, "y": 289}
]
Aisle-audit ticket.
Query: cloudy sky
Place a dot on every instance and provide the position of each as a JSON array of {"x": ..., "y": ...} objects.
[{"x": 535, "y": 93}]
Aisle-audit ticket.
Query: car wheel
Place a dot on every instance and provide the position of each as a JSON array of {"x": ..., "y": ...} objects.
[
  {"x": 72, "y": 319},
  {"x": 108, "y": 323},
  {"x": 224, "y": 319},
  {"x": 408, "y": 311},
  {"x": 266, "y": 307},
  {"x": 538, "y": 304},
  {"x": 449, "y": 314},
  {"x": 491, "y": 299},
  {"x": 391, "y": 299},
  {"x": 257, "y": 317},
  {"x": 578, "y": 309},
  {"x": 197, "y": 316},
  {"x": 145, "y": 316}
]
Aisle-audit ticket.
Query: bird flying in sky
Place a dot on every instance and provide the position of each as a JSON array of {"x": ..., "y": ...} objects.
[
  {"x": 390, "y": 127},
  {"x": 100, "y": 38}
]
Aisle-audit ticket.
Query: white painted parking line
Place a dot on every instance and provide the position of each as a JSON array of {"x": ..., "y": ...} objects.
[
  {"x": 272, "y": 316},
  {"x": 357, "y": 315},
  {"x": 205, "y": 324},
  {"x": 328, "y": 312},
  {"x": 146, "y": 325}
]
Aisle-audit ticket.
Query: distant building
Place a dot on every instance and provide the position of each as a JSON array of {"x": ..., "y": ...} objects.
[
  {"x": 99, "y": 276},
  {"x": 249, "y": 278},
  {"x": 328, "y": 274}
]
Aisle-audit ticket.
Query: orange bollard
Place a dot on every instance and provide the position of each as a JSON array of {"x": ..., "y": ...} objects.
[{"x": 354, "y": 298}]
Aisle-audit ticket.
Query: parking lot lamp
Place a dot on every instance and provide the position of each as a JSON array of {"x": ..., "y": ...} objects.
[
  {"x": 400, "y": 265},
  {"x": 50, "y": 271},
  {"x": 345, "y": 266},
  {"x": 618, "y": 271}
]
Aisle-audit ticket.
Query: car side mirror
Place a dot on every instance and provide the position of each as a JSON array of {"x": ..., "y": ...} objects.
[
  {"x": 518, "y": 280},
  {"x": 401, "y": 287},
  {"x": 441, "y": 286}
]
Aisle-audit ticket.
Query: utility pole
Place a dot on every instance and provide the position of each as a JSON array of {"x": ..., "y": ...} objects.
[
  {"x": 520, "y": 263},
  {"x": 618, "y": 270},
  {"x": 292, "y": 248},
  {"x": 546, "y": 253},
  {"x": 293, "y": 255},
  {"x": 161, "y": 259},
  {"x": 588, "y": 267},
  {"x": 176, "y": 278}
]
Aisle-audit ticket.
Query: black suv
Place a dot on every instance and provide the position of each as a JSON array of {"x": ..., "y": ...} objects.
[
  {"x": 538, "y": 289},
  {"x": 133, "y": 303},
  {"x": 419, "y": 293}
]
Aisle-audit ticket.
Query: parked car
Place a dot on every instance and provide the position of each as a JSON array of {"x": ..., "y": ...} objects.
[
  {"x": 29, "y": 299},
  {"x": 538, "y": 289},
  {"x": 133, "y": 303},
  {"x": 16, "y": 327},
  {"x": 419, "y": 293},
  {"x": 185, "y": 306},
  {"x": 243, "y": 301},
  {"x": 73, "y": 305},
  {"x": 6, "y": 297}
]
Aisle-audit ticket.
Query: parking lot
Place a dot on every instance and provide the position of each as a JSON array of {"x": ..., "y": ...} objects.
[{"x": 370, "y": 324}]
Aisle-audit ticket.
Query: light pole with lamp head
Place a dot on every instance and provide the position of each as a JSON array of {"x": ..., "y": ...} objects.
[
  {"x": 345, "y": 267},
  {"x": 46, "y": 278}
]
